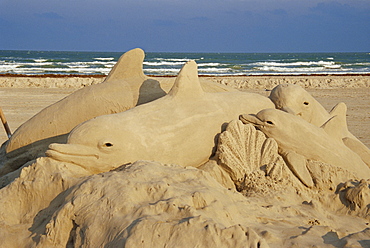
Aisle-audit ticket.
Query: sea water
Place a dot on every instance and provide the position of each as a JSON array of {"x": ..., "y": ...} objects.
[{"x": 212, "y": 64}]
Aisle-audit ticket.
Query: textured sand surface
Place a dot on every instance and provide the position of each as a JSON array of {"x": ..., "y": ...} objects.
[{"x": 245, "y": 196}]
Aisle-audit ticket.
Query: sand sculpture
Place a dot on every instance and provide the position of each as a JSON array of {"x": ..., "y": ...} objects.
[
  {"x": 242, "y": 149},
  {"x": 125, "y": 87},
  {"x": 299, "y": 140},
  {"x": 246, "y": 153},
  {"x": 119, "y": 92},
  {"x": 89, "y": 192},
  {"x": 179, "y": 128},
  {"x": 297, "y": 101}
]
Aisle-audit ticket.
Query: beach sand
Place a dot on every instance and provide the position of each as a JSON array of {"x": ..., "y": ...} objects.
[{"x": 53, "y": 203}]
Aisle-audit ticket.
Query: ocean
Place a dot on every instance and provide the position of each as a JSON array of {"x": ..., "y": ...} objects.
[{"x": 212, "y": 64}]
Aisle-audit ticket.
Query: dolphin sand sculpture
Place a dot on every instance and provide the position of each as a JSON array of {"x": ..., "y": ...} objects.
[
  {"x": 118, "y": 92},
  {"x": 297, "y": 101},
  {"x": 125, "y": 87},
  {"x": 180, "y": 128},
  {"x": 299, "y": 140}
]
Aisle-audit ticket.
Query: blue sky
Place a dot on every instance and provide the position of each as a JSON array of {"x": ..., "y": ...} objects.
[{"x": 186, "y": 25}]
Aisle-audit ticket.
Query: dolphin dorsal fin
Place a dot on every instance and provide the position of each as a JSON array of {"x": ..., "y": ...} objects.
[
  {"x": 187, "y": 82},
  {"x": 334, "y": 127},
  {"x": 129, "y": 65},
  {"x": 340, "y": 109}
]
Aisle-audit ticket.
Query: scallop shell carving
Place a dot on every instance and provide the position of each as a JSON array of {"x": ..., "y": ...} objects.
[{"x": 242, "y": 149}]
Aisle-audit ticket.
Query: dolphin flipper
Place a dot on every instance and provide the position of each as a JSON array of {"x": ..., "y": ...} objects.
[{"x": 297, "y": 164}]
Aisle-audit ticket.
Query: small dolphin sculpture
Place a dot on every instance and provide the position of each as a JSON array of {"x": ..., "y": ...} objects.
[
  {"x": 299, "y": 140},
  {"x": 297, "y": 101},
  {"x": 180, "y": 128}
]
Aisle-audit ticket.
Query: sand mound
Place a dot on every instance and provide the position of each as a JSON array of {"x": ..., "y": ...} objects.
[
  {"x": 140, "y": 204},
  {"x": 55, "y": 204}
]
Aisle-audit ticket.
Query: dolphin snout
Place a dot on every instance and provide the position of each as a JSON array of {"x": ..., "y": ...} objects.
[
  {"x": 89, "y": 158},
  {"x": 250, "y": 119},
  {"x": 71, "y": 153}
]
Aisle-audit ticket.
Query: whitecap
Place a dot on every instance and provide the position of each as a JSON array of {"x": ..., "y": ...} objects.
[
  {"x": 162, "y": 71},
  {"x": 162, "y": 63},
  {"x": 109, "y": 58},
  {"x": 210, "y": 64},
  {"x": 40, "y": 60},
  {"x": 286, "y": 69},
  {"x": 172, "y": 59},
  {"x": 214, "y": 70},
  {"x": 332, "y": 66},
  {"x": 298, "y": 63}
]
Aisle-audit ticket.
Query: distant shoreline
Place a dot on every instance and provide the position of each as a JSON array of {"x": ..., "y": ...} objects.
[{"x": 207, "y": 76}]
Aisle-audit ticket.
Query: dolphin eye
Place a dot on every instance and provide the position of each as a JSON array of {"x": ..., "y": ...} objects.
[
  {"x": 270, "y": 122},
  {"x": 305, "y": 103},
  {"x": 105, "y": 145},
  {"x": 108, "y": 144}
]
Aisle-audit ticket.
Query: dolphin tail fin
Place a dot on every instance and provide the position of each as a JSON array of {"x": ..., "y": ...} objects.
[
  {"x": 187, "y": 82},
  {"x": 129, "y": 65}
]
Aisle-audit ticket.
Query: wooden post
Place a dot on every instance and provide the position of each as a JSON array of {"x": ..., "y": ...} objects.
[{"x": 5, "y": 123}]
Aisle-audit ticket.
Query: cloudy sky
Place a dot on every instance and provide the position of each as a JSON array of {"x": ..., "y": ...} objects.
[{"x": 186, "y": 25}]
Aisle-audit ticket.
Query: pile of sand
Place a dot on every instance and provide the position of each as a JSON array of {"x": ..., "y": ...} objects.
[{"x": 148, "y": 204}]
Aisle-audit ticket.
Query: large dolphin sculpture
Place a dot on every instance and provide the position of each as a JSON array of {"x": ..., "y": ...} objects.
[
  {"x": 299, "y": 140},
  {"x": 118, "y": 92},
  {"x": 180, "y": 128},
  {"x": 125, "y": 87},
  {"x": 297, "y": 101}
]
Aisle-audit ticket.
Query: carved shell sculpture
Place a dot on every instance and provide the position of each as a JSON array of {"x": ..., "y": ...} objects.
[{"x": 242, "y": 149}]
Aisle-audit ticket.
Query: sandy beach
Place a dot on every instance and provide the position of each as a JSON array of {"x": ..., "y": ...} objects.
[
  {"x": 22, "y": 97},
  {"x": 183, "y": 124},
  {"x": 246, "y": 194}
]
